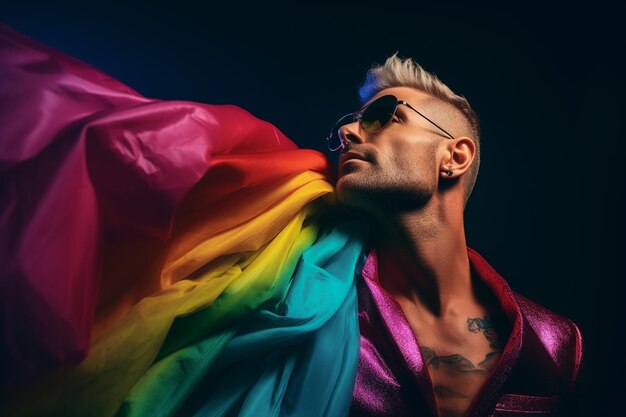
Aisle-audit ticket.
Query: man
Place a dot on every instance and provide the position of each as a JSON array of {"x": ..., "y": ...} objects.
[
  {"x": 209, "y": 279},
  {"x": 441, "y": 332}
]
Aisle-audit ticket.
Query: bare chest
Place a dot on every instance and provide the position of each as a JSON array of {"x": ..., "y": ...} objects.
[{"x": 459, "y": 356}]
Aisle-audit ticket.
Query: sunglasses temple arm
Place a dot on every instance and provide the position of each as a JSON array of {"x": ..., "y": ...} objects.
[{"x": 433, "y": 123}]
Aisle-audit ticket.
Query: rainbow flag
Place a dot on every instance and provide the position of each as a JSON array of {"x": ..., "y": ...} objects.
[{"x": 164, "y": 258}]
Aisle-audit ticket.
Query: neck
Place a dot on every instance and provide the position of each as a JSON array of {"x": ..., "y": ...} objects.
[{"x": 422, "y": 258}]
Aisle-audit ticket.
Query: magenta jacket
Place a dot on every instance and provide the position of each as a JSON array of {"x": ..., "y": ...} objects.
[{"x": 535, "y": 375}]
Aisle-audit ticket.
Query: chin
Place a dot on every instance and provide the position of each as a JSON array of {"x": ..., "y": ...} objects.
[
  {"x": 342, "y": 190},
  {"x": 351, "y": 193},
  {"x": 345, "y": 187}
]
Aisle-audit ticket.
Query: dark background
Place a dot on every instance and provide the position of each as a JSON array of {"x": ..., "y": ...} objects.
[{"x": 547, "y": 85}]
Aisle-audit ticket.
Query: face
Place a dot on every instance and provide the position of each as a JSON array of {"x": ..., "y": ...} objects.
[{"x": 396, "y": 166}]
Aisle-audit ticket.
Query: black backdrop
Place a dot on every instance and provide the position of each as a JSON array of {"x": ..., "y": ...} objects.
[{"x": 546, "y": 83}]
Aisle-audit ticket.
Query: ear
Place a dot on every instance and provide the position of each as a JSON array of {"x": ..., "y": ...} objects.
[{"x": 460, "y": 154}]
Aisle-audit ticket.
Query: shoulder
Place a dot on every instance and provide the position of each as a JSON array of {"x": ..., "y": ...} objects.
[
  {"x": 558, "y": 335},
  {"x": 545, "y": 320}
]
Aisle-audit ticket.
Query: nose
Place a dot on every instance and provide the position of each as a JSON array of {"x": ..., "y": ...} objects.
[{"x": 350, "y": 134}]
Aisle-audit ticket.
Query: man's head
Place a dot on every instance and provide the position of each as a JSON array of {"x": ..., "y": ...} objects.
[{"x": 404, "y": 164}]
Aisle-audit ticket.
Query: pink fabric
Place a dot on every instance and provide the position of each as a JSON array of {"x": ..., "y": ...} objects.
[{"x": 536, "y": 372}]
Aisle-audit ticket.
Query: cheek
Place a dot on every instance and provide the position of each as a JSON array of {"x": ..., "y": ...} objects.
[{"x": 412, "y": 161}]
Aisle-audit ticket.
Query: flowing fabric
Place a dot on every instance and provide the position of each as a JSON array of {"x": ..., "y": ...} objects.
[{"x": 163, "y": 257}]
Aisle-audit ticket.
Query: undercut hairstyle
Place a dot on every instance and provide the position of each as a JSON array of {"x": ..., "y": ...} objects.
[{"x": 398, "y": 72}]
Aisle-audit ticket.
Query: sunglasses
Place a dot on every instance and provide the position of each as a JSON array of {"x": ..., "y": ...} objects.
[{"x": 372, "y": 118}]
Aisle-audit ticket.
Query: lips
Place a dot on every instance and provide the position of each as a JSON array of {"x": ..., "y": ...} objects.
[{"x": 351, "y": 155}]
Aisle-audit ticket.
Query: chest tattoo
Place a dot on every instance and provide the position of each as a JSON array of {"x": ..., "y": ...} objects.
[
  {"x": 477, "y": 324},
  {"x": 460, "y": 363}
]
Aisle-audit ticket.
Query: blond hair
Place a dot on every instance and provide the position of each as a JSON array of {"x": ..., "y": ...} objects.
[{"x": 398, "y": 72}]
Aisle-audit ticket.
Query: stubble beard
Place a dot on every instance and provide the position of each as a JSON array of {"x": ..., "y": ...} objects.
[{"x": 370, "y": 193}]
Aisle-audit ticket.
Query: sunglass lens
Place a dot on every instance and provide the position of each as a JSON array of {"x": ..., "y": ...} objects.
[{"x": 378, "y": 113}]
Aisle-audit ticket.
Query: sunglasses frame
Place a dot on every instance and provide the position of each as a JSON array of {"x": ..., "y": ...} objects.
[{"x": 358, "y": 116}]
